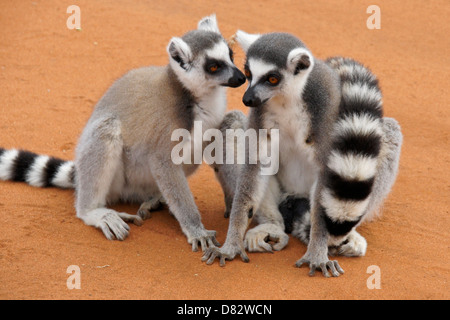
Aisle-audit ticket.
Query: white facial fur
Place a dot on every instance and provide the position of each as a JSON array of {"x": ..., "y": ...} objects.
[
  {"x": 194, "y": 77},
  {"x": 220, "y": 52},
  {"x": 191, "y": 72},
  {"x": 291, "y": 84},
  {"x": 259, "y": 69},
  {"x": 293, "y": 80}
]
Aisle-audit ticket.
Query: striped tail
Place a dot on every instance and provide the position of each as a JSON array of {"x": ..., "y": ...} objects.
[
  {"x": 355, "y": 150},
  {"x": 36, "y": 170}
]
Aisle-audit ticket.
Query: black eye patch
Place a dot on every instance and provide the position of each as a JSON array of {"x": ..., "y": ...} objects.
[
  {"x": 247, "y": 72},
  {"x": 213, "y": 66},
  {"x": 272, "y": 78}
]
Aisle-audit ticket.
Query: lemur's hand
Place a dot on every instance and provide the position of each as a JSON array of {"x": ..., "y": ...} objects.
[
  {"x": 318, "y": 262},
  {"x": 206, "y": 238},
  {"x": 227, "y": 252}
]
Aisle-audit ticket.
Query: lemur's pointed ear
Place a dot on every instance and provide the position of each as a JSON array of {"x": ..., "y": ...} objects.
[
  {"x": 180, "y": 52},
  {"x": 245, "y": 39},
  {"x": 209, "y": 24},
  {"x": 299, "y": 59}
]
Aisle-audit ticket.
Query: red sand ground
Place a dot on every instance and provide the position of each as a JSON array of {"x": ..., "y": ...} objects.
[{"x": 51, "y": 77}]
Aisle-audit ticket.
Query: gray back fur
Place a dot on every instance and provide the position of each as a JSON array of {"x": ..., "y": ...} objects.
[{"x": 322, "y": 95}]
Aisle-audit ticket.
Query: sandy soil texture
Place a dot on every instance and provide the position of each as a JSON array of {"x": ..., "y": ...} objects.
[{"x": 51, "y": 77}]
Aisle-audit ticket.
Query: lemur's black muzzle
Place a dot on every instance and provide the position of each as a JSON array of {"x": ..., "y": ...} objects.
[
  {"x": 236, "y": 80},
  {"x": 250, "y": 100}
]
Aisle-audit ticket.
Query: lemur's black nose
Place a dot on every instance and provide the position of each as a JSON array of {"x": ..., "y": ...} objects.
[
  {"x": 237, "y": 79},
  {"x": 248, "y": 101},
  {"x": 241, "y": 78},
  {"x": 249, "y": 98}
]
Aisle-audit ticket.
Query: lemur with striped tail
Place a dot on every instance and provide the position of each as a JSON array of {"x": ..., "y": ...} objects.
[
  {"x": 335, "y": 147},
  {"x": 124, "y": 152}
]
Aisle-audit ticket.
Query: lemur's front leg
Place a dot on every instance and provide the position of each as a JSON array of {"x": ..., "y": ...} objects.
[
  {"x": 338, "y": 205},
  {"x": 251, "y": 188},
  {"x": 316, "y": 255},
  {"x": 174, "y": 187}
]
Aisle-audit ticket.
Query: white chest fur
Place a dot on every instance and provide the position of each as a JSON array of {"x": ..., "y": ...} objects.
[
  {"x": 208, "y": 114},
  {"x": 297, "y": 171},
  {"x": 211, "y": 108}
]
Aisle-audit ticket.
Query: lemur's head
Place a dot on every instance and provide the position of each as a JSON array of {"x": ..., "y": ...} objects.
[
  {"x": 202, "y": 58},
  {"x": 277, "y": 66}
]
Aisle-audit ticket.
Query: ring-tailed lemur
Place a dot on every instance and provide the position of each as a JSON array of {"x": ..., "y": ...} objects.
[
  {"x": 280, "y": 213},
  {"x": 124, "y": 152},
  {"x": 335, "y": 148}
]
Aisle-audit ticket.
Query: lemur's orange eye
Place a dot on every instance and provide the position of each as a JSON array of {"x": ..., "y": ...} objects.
[
  {"x": 273, "y": 80},
  {"x": 214, "y": 68},
  {"x": 247, "y": 73}
]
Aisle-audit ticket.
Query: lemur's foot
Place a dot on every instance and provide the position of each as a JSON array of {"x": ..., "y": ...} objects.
[
  {"x": 354, "y": 246},
  {"x": 133, "y": 218},
  {"x": 207, "y": 239},
  {"x": 227, "y": 252},
  {"x": 265, "y": 237},
  {"x": 146, "y": 208},
  {"x": 321, "y": 263}
]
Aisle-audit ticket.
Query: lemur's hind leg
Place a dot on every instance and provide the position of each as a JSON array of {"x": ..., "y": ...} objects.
[
  {"x": 354, "y": 245},
  {"x": 297, "y": 217},
  {"x": 153, "y": 204},
  {"x": 269, "y": 234},
  {"x": 99, "y": 173}
]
